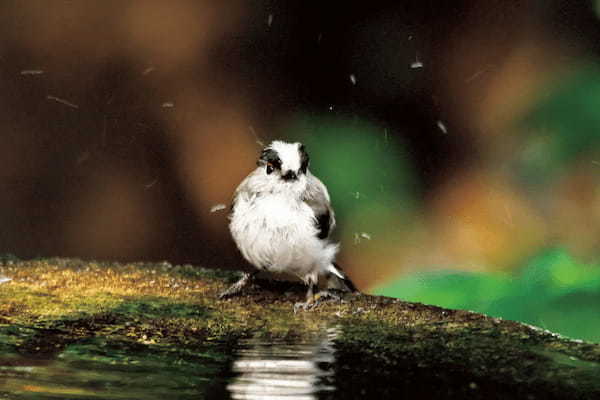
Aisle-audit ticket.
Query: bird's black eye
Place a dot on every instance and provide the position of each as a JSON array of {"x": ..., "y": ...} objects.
[
  {"x": 270, "y": 158},
  {"x": 273, "y": 165}
]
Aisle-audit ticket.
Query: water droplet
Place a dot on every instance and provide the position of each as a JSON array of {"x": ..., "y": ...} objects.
[
  {"x": 62, "y": 101},
  {"x": 32, "y": 72},
  {"x": 416, "y": 64},
  {"x": 442, "y": 127},
  {"x": 149, "y": 185},
  {"x": 218, "y": 207}
]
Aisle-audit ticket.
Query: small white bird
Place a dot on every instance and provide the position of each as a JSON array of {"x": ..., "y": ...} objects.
[{"x": 281, "y": 220}]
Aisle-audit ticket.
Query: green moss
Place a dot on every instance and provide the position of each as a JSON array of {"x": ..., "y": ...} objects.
[{"x": 61, "y": 306}]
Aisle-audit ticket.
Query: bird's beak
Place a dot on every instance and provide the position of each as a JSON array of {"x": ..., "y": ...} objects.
[{"x": 290, "y": 176}]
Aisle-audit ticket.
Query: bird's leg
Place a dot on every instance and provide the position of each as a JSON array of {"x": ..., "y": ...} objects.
[
  {"x": 310, "y": 298},
  {"x": 237, "y": 287},
  {"x": 310, "y": 292},
  {"x": 325, "y": 295},
  {"x": 313, "y": 300}
]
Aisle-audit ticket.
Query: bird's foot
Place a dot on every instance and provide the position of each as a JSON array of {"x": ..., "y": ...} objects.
[
  {"x": 311, "y": 303},
  {"x": 237, "y": 287},
  {"x": 327, "y": 295},
  {"x": 303, "y": 306}
]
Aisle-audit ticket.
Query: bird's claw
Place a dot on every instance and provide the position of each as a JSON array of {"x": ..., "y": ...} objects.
[
  {"x": 315, "y": 301},
  {"x": 306, "y": 306},
  {"x": 327, "y": 295},
  {"x": 238, "y": 287},
  {"x": 226, "y": 294}
]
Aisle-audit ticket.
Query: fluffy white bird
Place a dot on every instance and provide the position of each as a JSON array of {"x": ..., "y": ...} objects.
[{"x": 281, "y": 220}]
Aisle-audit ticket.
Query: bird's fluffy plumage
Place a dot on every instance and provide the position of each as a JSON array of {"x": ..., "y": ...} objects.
[{"x": 281, "y": 217}]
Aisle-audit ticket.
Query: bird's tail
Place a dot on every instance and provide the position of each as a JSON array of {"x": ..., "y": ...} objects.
[{"x": 339, "y": 280}]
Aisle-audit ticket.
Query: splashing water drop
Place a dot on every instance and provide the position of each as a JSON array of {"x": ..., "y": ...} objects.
[
  {"x": 442, "y": 127},
  {"x": 62, "y": 101},
  {"x": 416, "y": 64},
  {"x": 32, "y": 72},
  {"x": 218, "y": 207}
]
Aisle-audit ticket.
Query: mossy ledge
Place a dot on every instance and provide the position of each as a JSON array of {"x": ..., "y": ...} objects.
[{"x": 390, "y": 345}]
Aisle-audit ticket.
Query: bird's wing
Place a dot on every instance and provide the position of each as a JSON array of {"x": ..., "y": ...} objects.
[
  {"x": 317, "y": 198},
  {"x": 243, "y": 189}
]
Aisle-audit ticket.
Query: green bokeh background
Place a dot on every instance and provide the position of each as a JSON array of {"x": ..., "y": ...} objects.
[
  {"x": 553, "y": 291},
  {"x": 374, "y": 190},
  {"x": 367, "y": 172}
]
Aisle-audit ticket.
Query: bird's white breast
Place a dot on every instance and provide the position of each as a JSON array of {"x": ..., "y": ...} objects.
[{"x": 275, "y": 232}]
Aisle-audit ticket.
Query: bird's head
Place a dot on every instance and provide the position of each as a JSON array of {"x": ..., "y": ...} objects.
[{"x": 285, "y": 162}]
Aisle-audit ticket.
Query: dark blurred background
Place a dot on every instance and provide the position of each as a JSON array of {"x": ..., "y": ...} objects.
[{"x": 460, "y": 140}]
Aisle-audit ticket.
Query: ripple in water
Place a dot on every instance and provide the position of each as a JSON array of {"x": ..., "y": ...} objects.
[{"x": 291, "y": 370}]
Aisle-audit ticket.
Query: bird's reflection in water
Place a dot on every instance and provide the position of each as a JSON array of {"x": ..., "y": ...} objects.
[{"x": 284, "y": 369}]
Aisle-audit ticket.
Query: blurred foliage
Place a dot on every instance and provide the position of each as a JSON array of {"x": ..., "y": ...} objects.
[
  {"x": 562, "y": 126},
  {"x": 553, "y": 291},
  {"x": 368, "y": 174}
]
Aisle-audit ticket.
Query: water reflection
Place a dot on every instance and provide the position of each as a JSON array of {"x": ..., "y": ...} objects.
[
  {"x": 104, "y": 369},
  {"x": 99, "y": 369},
  {"x": 294, "y": 370}
]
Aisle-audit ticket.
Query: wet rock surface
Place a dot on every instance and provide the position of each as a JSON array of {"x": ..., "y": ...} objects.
[{"x": 62, "y": 309}]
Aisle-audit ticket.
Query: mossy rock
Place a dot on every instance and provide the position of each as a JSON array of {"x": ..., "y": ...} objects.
[{"x": 385, "y": 346}]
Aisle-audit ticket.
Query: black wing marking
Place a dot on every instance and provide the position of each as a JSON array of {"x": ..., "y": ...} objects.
[
  {"x": 304, "y": 158},
  {"x": 323, "y": 225},
  {"x": 349, "y": 284}
]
